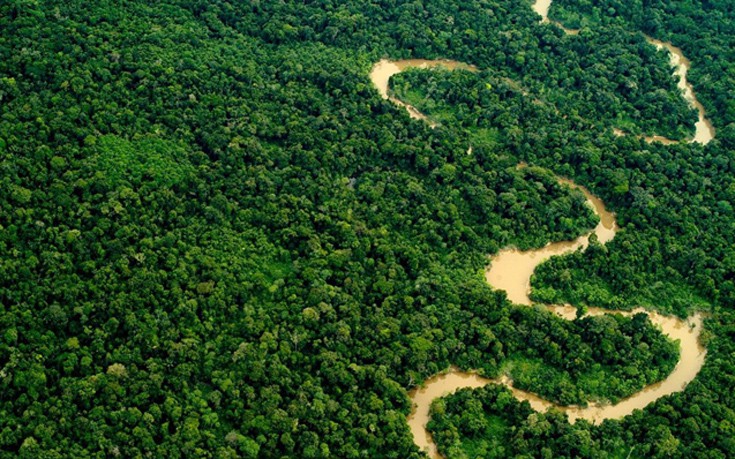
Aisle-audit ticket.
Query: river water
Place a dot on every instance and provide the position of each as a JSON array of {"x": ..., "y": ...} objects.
[
  {"x": 511, "y": 269},
  {"x": 704, "y": 131}
]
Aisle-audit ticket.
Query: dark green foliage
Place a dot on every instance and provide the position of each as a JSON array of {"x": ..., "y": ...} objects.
[
  {"x": 703, "y": 30},
  {"x": 593, "y": 358}
]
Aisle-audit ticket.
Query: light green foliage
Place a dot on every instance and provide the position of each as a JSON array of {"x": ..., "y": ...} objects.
[{"x": 147, "y": 158}]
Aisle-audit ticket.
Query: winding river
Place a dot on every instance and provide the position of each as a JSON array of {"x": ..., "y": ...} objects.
[
  {"x": 511, "y": 270},
  {"x": 704, "y": 131}
]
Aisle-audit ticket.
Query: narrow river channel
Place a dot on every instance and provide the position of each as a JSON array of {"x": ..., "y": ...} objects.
[{"x": 704, "y": 131}]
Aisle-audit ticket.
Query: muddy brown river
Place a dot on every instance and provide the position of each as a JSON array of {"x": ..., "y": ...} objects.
[{"x": 511, "y": 270}]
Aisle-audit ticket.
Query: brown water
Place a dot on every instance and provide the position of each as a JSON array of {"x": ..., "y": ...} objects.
[
  {"x": 511, "y": 270},
  {"x": 691, "y": 359},
  {"x": 541, "y": 7},
  {"x": 704, "y": 131},
  {"x": 383, "y": 70}
]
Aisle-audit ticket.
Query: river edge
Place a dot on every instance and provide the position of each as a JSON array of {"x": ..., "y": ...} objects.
[
  {"x": 384, "y": 69},
  {"x": 687, "y": 332},
  {"x": 453, "y": 379},
  {"x": 511, "y": 269}
]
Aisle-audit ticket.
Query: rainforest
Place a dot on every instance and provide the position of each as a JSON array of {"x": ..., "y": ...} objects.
[{"x": 253, "y": 229}]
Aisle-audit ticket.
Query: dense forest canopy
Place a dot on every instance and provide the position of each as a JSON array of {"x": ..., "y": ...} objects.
[{"x": 218, "y": 240}]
